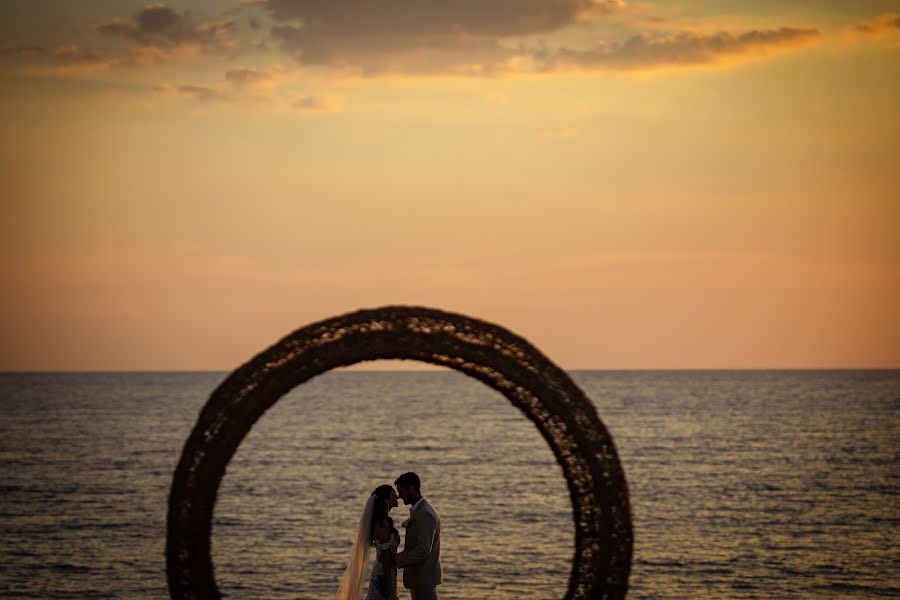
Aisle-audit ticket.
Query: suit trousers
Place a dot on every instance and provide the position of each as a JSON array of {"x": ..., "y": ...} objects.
[{"x": 423, "y": 594}]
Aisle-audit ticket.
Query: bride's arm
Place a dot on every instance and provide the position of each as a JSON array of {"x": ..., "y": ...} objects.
[
  {"x": 382, "y": 533},
  {"x": 383, "y": 540}
]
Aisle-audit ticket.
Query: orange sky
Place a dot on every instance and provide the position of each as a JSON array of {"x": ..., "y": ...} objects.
[{"x": 627, "y": 185}]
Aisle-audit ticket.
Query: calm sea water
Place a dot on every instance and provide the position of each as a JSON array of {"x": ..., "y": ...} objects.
[{"x": 744, "y": 484}]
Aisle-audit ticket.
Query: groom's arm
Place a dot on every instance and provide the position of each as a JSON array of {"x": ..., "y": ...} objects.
[{"x": 426, "y": 525}]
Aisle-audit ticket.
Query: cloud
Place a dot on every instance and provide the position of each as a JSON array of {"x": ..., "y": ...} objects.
[
  {"x": 24, "y": 51},
  {"x": 249, "y": 86},
  {"x": 77, "y": 58},
  {"x": 887, "y": 24},
  {"x": 246, "y": 79},
  {"x": 419, "y": 36},
  {"x": 194, "y": 92},
  {"x": 489, "y": 38},
  {"x": 435, "y": 19},
  {"x": 308, "y": 103},
  {"x": 160, "y": 25},
  {"x": 243, "y": 76},
  {"x": 158, "y": 34},
  {"x": 73, "y": 54},
  {"x": 679, "y": 48},
  {"x": 476, "y": 38}
]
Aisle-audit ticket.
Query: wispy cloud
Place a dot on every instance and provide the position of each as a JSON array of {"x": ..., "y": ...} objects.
[
  {"x": 156, "y": 34},
  {"x": 426, "y": 36},
  {"x": 884, "y": 25},
  {"x": 72, "y": 53},
  {"x": 499, "y": 37},
  {"x": 73, "y": 57},
  {"x": 308, "y": 103},
  {"x": 250, "y": 86},
  {"x": 195, "y": 92},
  {"x": 680, "y": 48},
  {"x": 259, "y": 79},
  {"x": 474, "y": 38},
  {"x": 161, "y": 25},
  {"x": 24, "y": 51}
]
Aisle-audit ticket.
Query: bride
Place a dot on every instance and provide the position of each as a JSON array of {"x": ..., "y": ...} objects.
[{"x": 376, "y": 529}]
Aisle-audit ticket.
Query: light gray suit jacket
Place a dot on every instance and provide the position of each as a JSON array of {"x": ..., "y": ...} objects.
[{"x": 421, "y": 556}]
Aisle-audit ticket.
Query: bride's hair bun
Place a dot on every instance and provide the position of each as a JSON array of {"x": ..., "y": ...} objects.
[{"x": 383, "y": 492}]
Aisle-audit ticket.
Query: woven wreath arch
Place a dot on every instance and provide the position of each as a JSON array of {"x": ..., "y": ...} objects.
[{"x": 500, "y": 359}]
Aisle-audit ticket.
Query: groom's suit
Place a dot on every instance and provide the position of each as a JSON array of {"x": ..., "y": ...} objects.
[{"x": 421, "y": 556}]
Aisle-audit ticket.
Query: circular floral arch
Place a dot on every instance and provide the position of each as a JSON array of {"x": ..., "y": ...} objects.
[{"x": 493, "y": 355}]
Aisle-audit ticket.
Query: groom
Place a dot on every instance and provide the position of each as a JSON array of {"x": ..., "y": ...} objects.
[{"x": 421, "y": 556}]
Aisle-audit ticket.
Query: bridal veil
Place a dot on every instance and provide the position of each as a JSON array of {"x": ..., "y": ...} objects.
[{"x": 353, "y": 580}]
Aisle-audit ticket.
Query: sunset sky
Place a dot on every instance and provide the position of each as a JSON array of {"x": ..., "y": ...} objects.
[{"x": 693, "y": 184}]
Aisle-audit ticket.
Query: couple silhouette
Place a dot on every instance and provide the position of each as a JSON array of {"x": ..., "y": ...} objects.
[{"x": 420, "y": 558}]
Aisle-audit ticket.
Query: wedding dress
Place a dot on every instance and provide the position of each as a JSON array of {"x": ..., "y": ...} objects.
[{"x": 382, "y": 586}]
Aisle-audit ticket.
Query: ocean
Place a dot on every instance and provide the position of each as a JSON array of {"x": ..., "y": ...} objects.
[{"x": 744, "y": 484}]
